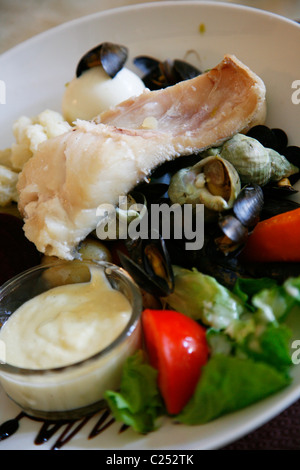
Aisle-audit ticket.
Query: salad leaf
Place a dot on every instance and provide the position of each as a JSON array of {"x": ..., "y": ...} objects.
[
  {"x": 292, "y": 288},
  {"x": 138, "y": 404},
  {"x": 273, "y": 304},
  {"x": 228, "y": 384},
  {"x": 219, "y": 342},
  {"x": 245, "y": 289},
  {"x": 271, "y": 345},
  {"x": 268, "y": 343},
  {"x": 203, "y": 298}
]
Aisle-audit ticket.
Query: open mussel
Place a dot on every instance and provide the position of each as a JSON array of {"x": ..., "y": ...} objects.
[
  {"x": 111, "y": 57},
  {"x": 150, "y": 266},
  {"x": 280, "y": 189},
  {"x": 161, "y": 74}
]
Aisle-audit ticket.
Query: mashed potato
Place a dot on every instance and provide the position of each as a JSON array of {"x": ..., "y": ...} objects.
[
  {"x": 28, "y": 133},
  {"x": 8, "y": 182}
]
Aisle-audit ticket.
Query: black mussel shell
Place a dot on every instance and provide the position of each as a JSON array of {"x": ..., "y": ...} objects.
[
  {"x": 161, "y": 74},
  {"x": 280, "y": 189},
  {"x": 274, "y": 206},
  {"x": 111, "y": 56},
  {"x": 154, "y": 71},
  {"x": 236, "y": 224},
  {"x": 155, "y": 81},
  {"x": 157, "y": 264},
  {"x": 267, "y": 137},
  {"x": 249, "y": 204},
  {"x": 146, "y": 64},
  {"x": 150, "y": 266},
  {"x": 137, "y": 273},
  {"x": 185, "y": 71},
  {"x": 233, "y": 228},
  {"x": 172, "y": 166},
  {"x": 277, "y": 139},
  {"x": 153, "y": 191},
  {"x": 292, "y": 154},
  {"x": 281, "y": 140}
]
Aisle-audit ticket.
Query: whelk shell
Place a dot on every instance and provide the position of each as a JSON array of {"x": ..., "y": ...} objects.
[
  {"x": 213, "y": 182},
  {"x": 254, "y": 162}
]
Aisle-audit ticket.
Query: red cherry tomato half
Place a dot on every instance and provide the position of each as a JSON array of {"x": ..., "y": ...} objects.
[{"x": 177, "y": 348}]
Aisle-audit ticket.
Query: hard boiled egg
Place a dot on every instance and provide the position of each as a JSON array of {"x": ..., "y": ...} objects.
[{"x": 94, "y": 91}]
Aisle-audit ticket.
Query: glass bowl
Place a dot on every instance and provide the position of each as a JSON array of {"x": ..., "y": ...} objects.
[{"x": 74, "y": 390}]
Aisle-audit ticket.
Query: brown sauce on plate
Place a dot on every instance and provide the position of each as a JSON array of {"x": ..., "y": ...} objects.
[{"x": 66, "y": 429}]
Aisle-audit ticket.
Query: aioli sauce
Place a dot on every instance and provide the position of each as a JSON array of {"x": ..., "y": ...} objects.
[{"x": 65, "y": 324}]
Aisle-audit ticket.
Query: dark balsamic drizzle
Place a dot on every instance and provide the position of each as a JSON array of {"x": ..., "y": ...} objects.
[
  {"x": 50, "y": 428},
  {"x": 11, "y": 426},
  {"x": 68, "y": 433},
  {"x": 101, "y": 425}
]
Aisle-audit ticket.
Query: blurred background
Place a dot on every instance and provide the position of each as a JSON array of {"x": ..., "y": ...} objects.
[{"x": 22, "y": 19}]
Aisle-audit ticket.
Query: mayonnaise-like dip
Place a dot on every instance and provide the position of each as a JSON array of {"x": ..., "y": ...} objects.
[{"x": 66, "y": 324}]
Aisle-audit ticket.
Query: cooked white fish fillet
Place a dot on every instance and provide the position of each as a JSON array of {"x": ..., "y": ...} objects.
[{"x": 69, "y": 176}]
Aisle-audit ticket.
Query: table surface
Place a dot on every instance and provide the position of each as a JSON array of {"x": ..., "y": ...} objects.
[{"x": 22, "y": 19}]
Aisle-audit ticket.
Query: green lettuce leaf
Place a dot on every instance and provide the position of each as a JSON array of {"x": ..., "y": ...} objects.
[
  {"x": 219, "y": 342},
  {"x": 202, "y": 298},
  {"x": 270, "y": 345},
  {"x": 273, "y": 304},
  {"x": 228, "y": 384},
  {"x": 138, "y": 403},
  {"x": 292, "y": 288},
  {"x": 245, "y": 289}
]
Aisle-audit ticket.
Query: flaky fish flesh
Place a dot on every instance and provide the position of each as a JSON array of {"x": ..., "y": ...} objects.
[{"x": 97, "y": 161}]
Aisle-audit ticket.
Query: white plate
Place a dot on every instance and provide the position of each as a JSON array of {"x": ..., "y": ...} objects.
[{"x": 35, "y": 73}]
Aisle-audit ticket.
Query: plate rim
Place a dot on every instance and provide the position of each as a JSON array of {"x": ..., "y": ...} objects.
[{"x": 142, "y": 6}]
